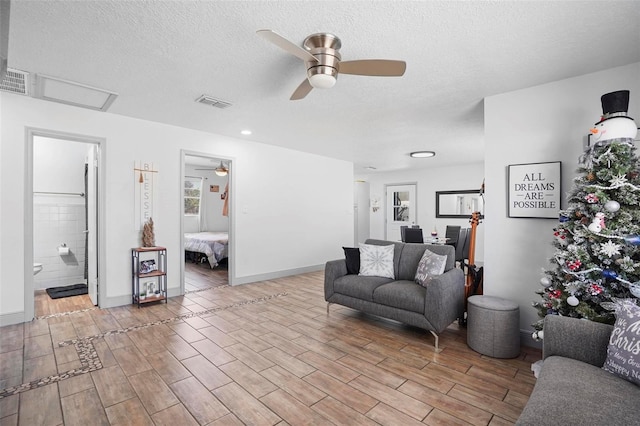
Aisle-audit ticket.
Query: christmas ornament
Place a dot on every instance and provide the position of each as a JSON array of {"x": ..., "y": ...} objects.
[
  {"x": 595, "y": 226},
  {"x": 563, "y": 218},
  {"x": 595, "y": 289},
  {"x": 608, "y": 273},
  {"x": 555, "y": 294},
  {"x": 633, "y": 239},
  {"x": 614, "y": 123},
  {"x": 612, "y": 206},
  {"x": 574, "y": 264},
  {"x": 545, "y": 281},
  {"x": 610, "y": 248},
  {"x": 591, "y": 198},
  {"x": 573, "y": 301},
  {"x": 561, "y": 238}
]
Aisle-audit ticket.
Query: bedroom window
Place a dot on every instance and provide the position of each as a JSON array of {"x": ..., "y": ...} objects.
[{"x": 192, "y": 194}]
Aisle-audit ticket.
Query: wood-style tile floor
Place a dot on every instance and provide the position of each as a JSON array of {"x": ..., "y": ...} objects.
[{"x": 264, "y": 354}]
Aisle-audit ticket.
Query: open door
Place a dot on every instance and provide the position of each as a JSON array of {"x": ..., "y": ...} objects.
[{"x": 91, "y": 197}]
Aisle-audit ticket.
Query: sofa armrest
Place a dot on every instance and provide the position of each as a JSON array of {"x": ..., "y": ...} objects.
[
  {"x": 444, "y": 301},
  {"x": 333, "y": 270},
  {"x": 580, "y": 339}
]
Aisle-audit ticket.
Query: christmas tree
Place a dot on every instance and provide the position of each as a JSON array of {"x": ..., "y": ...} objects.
[{"x": 597, "y": 239}]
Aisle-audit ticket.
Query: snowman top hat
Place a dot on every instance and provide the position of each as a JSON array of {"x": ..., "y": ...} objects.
[{"x": 615, "y": 104}]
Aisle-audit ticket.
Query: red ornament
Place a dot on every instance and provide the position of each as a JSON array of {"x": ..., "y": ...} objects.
[
  {"x": 555, "y": 294},
  {"x": 592, "y": 198},
  {"x": 574, "y": 264},
  {"x": 595, "y": 289}
]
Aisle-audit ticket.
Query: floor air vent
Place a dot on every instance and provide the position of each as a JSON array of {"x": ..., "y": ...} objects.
[
  {"x": 15, "y": 81},
  {"x": 211, "y": 101}
]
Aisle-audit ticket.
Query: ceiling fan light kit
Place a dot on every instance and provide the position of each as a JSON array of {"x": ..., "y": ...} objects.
[{"x": 323, "y": 61}]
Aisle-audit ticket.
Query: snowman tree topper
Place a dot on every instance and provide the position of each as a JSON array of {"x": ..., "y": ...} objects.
[{"x": 614, "y": 123}]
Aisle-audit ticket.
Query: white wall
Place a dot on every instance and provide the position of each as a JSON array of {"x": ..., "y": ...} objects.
[
  {"x": 429, "y": 180},
  {"x": 539, "y": 124},
  {"x": 292, "y": 213}
]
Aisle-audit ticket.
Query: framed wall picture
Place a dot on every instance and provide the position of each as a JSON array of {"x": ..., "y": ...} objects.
[{"x": 534, "y": 190}]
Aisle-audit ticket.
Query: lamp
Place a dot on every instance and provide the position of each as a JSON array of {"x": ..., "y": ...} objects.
[{"x": 221, "y": 170}]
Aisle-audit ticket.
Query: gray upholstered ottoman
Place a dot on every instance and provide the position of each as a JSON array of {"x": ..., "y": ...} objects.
[{"x": 493, "y": 326}]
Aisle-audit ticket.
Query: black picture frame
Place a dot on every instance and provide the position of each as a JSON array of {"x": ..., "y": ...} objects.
[{"x": 534, "y": 190}]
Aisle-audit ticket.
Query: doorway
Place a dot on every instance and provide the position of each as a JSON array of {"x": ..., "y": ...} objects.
[
  {"x": 400, "y": 209},
  {"x": 205, "y": 225},
  {"x": 63, "y": 205}
]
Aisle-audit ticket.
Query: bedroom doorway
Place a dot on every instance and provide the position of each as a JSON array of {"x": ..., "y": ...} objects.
[{"x": 205, "y": 222}]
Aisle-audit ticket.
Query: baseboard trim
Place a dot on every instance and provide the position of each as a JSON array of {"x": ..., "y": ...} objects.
[
  {"x": 12, "y": 318},
  {"x": 277, "y": 274}
]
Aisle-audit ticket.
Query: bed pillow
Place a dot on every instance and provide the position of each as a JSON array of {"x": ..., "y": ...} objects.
[
  {"x": 624, "y": 344},
  {"x": 352, "y": 257},
  {"x": 376, "y": 261},
  {"x": 430, "y": 266}
]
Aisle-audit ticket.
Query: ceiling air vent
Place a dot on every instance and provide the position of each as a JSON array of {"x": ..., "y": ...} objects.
[
  {"x": 210, "y": 100},
  {"x": 15, "y": 81}
]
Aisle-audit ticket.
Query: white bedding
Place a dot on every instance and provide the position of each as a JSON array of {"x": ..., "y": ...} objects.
[{"x": 214, "y": 245}]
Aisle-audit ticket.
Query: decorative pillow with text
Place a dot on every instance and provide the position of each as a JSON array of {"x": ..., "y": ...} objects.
[
  {"x": 430, "y": 266},
  {"x": 376, "y": 261},
  {"x": 623, "y": 353}
]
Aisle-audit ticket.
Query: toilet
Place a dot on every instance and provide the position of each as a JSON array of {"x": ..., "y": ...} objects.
[{"x": 37, "y": 267}]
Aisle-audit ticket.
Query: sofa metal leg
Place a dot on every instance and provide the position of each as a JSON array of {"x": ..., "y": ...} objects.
[
  {"x": 328, "y": 304},
  {"x": 436, "y": 337}
]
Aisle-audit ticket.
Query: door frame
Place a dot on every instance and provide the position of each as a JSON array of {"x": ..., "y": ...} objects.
[
  {"x": 30, "y": 134},
  {"x": 232, "y": 231},
  {"x": 386, "y": 204}
]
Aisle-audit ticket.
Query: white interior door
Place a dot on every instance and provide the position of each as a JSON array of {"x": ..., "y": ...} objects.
[
  {"x": 92, "y": 223},
  {"x": 401, "y": 209}
]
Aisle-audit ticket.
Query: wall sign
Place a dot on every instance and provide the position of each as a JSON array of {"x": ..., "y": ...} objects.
[
  {"x": 534, "y": 190},
  {"x": 144, "y": 175}
]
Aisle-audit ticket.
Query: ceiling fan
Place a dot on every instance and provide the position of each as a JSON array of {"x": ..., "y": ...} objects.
[
  {"x": 323, "y": 61},
  {"x": 221, "y": 170}
]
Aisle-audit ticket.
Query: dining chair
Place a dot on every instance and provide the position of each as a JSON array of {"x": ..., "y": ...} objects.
[
  {"x": 452, "y": 233},
  {"x": 402, "y": 229},
  {"x": 413, "y": 235}
]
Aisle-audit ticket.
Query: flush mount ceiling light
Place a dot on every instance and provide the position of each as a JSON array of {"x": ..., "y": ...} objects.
[
  {"x": 245, "y": 132},
  {"x": 422, "y": 154},
  {"x": 72, "y": 93},
  {"x": 370, "y": 168}
]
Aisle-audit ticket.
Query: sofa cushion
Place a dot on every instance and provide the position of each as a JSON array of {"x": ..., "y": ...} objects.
[
  {"x": 404, "y": 294},
  {"x": 376, "y": 261},
  {"x": 565, "y": 385},
  {"x": 358, "y": 286},
  {"x": 624, "y": 343},
  {"x": 352, "y": 258},
  {"x": 430, "y": 266}
]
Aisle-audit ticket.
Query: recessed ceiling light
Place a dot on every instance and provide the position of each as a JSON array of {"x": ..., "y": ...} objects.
[
  {"x": 370, "y": 168},
  {"x": 246, "y": 132},
  {"x": 422, "y": 154}
]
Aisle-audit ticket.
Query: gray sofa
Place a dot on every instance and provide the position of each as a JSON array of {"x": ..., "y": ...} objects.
[
  {"x": 433, "y": 308},
  {"x": 572, "y": 388}
]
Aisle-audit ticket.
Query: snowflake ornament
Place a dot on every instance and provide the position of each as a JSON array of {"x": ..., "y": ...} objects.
[
  {"x": 610, "y": 248},
  {"x": 618, "y": 181}
]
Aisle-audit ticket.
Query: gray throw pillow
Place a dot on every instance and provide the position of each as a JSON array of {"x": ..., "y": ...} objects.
[
  {"x": 431, "y": 265},
  {"x": 623, "y": 353},
  {"x": 376, "y": 261}
]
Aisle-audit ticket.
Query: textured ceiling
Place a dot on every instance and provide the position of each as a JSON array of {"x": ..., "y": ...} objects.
[{"x": 160, "y": 56}]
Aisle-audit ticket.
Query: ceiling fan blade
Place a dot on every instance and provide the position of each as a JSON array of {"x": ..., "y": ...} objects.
[
  {"x": 302, "y": 90},
  {"x": 374, "y": 67},
  {"x": 285, "y": 44}
]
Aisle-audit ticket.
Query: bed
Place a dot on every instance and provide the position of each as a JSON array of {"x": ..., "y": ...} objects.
[{"x": 214, "y": 245}]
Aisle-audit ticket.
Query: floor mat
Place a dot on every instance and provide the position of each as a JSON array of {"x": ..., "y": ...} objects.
[{"x": 67, "y": 291}]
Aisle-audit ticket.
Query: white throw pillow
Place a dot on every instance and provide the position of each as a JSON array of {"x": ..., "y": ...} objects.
[
  {"x": 376, "y": 261},
  {"x": 430, "y": 266}
]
